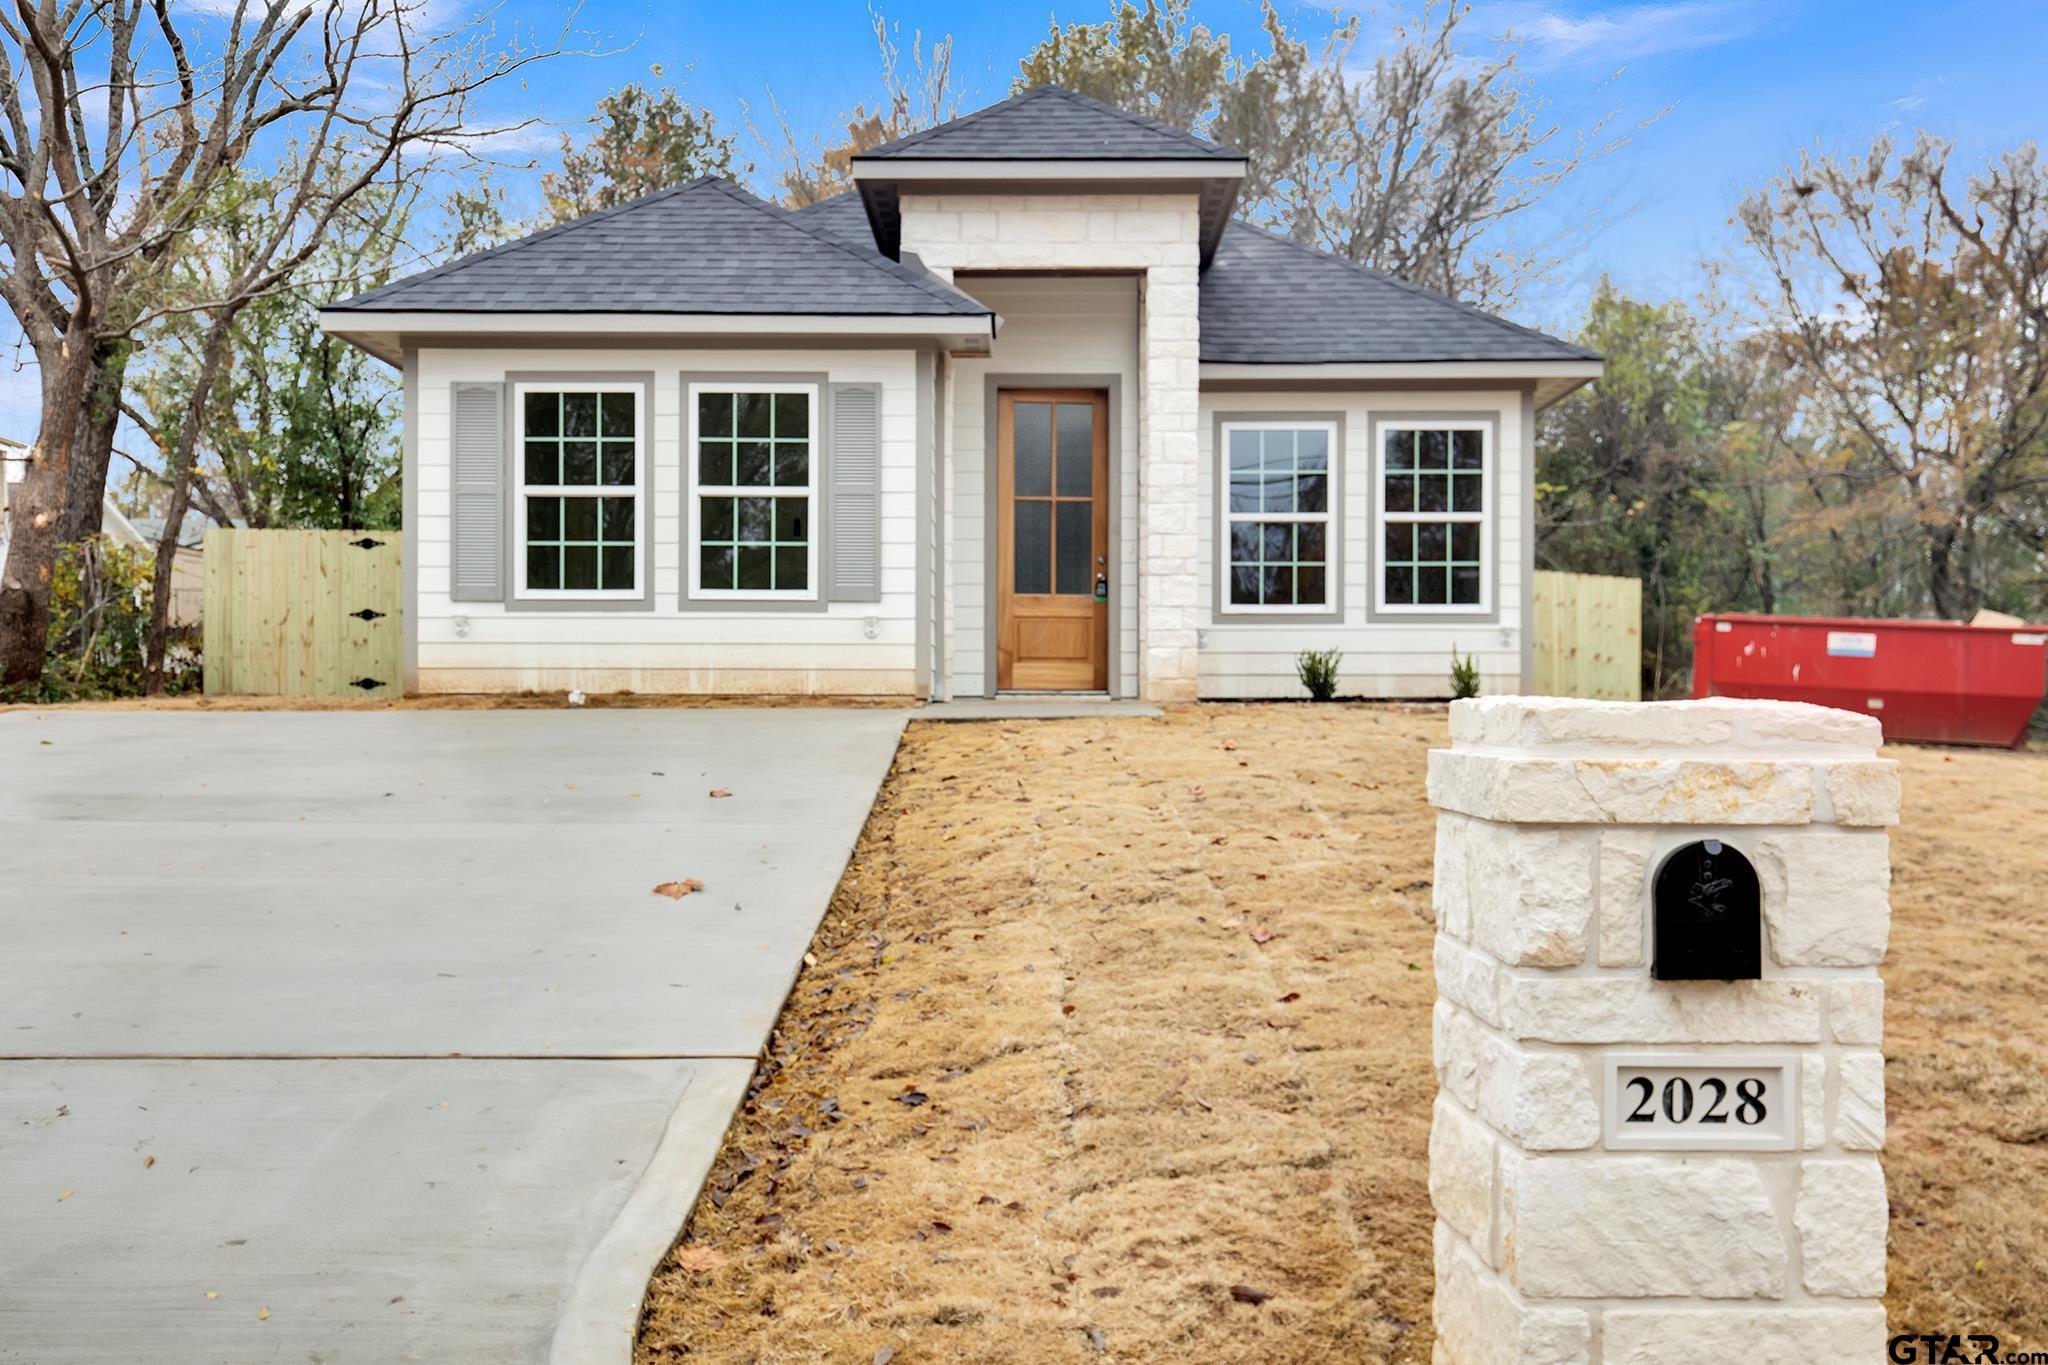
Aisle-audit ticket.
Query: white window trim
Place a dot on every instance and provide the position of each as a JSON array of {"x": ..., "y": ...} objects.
[
  {"x": 1382, "y": 518},
  {"x": 693, "y": 560},
  {"x": 641, "y": 459},
  {"x": 1332, "y": 541}
]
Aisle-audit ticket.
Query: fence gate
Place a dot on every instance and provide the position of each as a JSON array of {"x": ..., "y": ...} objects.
[
  {"x": 1588, "y": 637},
  {"x": 304, "y": 613}
]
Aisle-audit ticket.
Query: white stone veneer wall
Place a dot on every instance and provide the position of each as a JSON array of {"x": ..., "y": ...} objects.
[
  {"x": 1155, "y": 236},
  {"x": 1554, "y": 815}
]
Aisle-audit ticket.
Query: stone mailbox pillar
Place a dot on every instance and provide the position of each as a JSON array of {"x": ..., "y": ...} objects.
[{"x": 1661, "y": 1094}]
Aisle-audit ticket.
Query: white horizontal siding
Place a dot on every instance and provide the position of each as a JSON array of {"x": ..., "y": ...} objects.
[
  {"x": 1244, "y": 658},
  {"x": 667, "y": 648}
]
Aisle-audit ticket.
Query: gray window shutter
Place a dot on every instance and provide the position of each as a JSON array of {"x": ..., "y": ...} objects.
[
  {"x": 855, "y": 504},
  {"x": 477, "y": 518}
]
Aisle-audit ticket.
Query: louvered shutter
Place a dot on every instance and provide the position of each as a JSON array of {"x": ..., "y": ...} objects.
[
  {"x": 477, "y": 518},
  {"x": 855, "y": 573}
]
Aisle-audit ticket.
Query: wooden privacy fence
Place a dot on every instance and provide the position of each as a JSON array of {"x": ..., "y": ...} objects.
[
  {"x": 1588, "y": 632},
  {"x": 304, "y": 613}
]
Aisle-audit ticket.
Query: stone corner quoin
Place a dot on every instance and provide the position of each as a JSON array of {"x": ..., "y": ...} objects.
[{"x": 1560, "y": 1230}]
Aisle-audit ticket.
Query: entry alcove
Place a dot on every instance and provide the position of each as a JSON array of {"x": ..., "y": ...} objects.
[{"x": 1707, "y": 915}]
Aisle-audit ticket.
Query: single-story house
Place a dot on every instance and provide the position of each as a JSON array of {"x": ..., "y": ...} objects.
[{"x": 1024, "y": 410}]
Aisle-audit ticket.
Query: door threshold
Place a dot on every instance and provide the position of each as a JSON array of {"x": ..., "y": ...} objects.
[{"x": 1098, "y": 694}]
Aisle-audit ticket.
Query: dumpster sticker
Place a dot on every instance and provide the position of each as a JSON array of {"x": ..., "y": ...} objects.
[
  {"x": 2030, "y": 639},
  {"x": 1852, "y": 644}
]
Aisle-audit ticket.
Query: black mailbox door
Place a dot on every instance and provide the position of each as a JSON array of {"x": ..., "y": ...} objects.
[{"x": 1708, "y": 913}]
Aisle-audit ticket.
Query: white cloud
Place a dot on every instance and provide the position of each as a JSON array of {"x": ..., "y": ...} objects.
[
  {"x": 1554, "y": 37},
  {"x": 1916, "y": 95}
]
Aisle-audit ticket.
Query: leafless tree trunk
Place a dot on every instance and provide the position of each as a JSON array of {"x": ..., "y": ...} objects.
[{"x": 96, "y": 204}]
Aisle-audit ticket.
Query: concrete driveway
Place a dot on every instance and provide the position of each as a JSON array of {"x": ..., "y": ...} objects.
[{"x": 361, "y": 1036}]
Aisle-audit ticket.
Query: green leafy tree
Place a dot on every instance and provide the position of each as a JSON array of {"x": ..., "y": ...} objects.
[
  {"x": 643, "y": 140},
  {"x": 1671, "y": 469},
  {"x": 289, "y": 426}
]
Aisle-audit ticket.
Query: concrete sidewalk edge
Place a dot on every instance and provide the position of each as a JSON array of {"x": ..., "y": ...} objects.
[{"x": 600, "y": 1316}]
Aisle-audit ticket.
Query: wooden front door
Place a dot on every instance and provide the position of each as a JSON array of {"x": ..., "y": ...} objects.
[{"x": 1052, "y": 540}]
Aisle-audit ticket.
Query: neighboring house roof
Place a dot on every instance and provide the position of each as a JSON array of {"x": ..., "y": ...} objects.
[
  {"x": 702, "y": 247},
  {"x": 148, "y": 528},
  {"x": 1268, "y": 300},
  {"x": 1047, "y": 123}
]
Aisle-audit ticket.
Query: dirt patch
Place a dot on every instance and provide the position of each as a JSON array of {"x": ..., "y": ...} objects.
[{"x": 1115, "y": 1044}]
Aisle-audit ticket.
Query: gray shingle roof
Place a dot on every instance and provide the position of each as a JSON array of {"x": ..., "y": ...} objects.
[
  {"x": 702, "y": 247},
  {"x": 843, "y": 218},
  {"x": 1047, "y": 123},
  {"x": 1268, "y": 300}
]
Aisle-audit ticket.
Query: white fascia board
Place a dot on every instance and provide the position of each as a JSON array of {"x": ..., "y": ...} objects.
[
  {"x": 914, "y": 169},
  {"x": 1581, "y": 370},
  {"x": 346, "y": 321}
]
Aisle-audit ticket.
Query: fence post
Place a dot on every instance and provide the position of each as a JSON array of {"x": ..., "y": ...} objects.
[{"x": 1657, "y": 1033}]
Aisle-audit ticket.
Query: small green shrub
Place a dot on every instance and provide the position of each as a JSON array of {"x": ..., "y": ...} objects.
[
  {"x": 1318, "y": 670},
  {"x": 1464, "y": 675},
  {"x": 99, "y": 621}
]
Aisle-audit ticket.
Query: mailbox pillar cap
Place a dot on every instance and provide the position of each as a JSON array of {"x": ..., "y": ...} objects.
[{"x": 1726, "y": 726}]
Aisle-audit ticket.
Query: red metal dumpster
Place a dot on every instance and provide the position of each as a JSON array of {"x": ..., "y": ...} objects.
[{"x": 1940, "y": 681}]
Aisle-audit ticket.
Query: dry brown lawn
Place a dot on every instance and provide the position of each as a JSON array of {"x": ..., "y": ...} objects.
[{"x": 1115, "y": 1025}]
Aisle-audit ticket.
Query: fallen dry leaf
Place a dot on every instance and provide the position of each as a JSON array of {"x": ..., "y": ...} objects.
[
  {"x": 213, "y": 1293},
  {"x": 66, "y": 1195},
  {"x": 148, "y": 1162},
  {"x": 1261, "y": 934},
  {"x": 718, "y": 792},
  {"x": 1244, "y": 1293},
  {"x": 675, "y": 891},
  {"x": 699, "y": 1258},
  {"x": 263, "y": 1315}
]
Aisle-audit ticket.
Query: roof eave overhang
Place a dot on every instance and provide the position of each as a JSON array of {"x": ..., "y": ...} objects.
[
  {"x": 882, "y": 181},
  {"x": 1549, "y": 380},
  {"x": 905, "y": 169},
  {"x": 387, "y": 334}
]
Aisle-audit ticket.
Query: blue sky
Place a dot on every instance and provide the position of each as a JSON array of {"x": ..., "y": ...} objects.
[{"x": 1747, "y": 84}]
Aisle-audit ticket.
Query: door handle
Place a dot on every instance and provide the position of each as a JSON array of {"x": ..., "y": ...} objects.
[{"x": 1102, "y": 587}]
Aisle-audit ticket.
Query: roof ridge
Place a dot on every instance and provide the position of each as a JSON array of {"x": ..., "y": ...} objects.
[
  {"x": 1049, "y": 90},
  {"x": 506, "y": 248},
  {"x": 1145, "y": 121},
  {"x": 849, "y": 192},
  {"x": 925, "y": 134},
  {"x": 1411, "y": 287}
]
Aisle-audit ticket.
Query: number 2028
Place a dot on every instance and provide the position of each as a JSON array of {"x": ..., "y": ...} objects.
[{"x": 1678, "y": 1100}]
